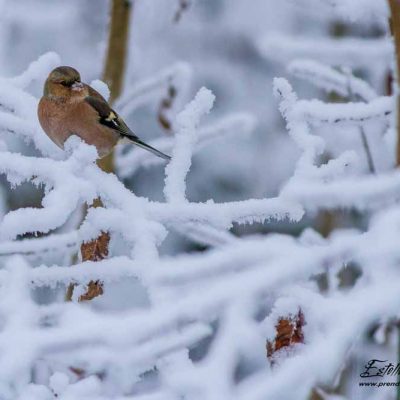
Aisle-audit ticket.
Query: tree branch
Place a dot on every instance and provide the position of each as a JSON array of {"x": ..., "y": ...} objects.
[
  {"x": 394, "y": 23},
  {"x": 118, "y": 37},
  {"x": 114, "y": 69},
  {"x": 395, "y": 29}
]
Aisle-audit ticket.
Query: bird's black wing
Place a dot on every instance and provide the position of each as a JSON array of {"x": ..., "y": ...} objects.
[{"x": 108, "y": 117}]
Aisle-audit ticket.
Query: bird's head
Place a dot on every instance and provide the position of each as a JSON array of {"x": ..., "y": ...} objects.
[{"x": 63, "y": 82}]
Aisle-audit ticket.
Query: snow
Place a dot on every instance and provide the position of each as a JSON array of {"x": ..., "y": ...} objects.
[
  {"x": 192, "y": 323},
  {"x": 101, "y": 87},
  {"x": 331, "y": 80},
  {"x": 37, "y": 70},
  {"x": 354, "y": 52},
  {"x": 185, "y": 139}
]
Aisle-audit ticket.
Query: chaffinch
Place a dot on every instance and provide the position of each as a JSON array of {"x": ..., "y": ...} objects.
[{"x": 69, "y": 107}]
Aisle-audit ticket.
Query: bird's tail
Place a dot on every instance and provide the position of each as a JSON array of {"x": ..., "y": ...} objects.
[{"x": 147, "y": 147}]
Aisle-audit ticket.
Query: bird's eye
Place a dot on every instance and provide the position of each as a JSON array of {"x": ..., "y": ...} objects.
[{"x": 66, "y": 84}]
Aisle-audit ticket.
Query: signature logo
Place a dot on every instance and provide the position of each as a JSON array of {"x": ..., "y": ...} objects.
[{"x": 380, "y": 368}]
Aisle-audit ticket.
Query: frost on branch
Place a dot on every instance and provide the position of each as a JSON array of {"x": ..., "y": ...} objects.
[
  {"x": 200, "y": 321},
  {"x": 331, "y": 80},
  {"x": 185, "y": 139},
  {"x": 355, "y": 52},
  {"x": 140, "y": 225}
]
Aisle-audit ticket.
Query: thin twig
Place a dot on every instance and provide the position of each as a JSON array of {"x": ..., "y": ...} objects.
[
  {"x": 367, "y": 150},
  {"x": 361, "y": 129}
]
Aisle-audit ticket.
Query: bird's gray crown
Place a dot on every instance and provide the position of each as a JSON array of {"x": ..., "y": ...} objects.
[{"x": 65, "y": 73}]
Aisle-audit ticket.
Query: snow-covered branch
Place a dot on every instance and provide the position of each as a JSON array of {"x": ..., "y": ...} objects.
[
  {"x": 331, "y": 80},
  {"x": 353, "y": 52},
  {"x": 185, "y": 139},
  {"x": 180, "y": 322}
]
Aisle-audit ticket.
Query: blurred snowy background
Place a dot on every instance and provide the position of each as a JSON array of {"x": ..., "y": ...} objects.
[{"x": 192, "y": 292}]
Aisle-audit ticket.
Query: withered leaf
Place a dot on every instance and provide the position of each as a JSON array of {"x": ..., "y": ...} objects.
[
  {"x": 95, "y": 250},
  {"x": 289, "y": 331},
  {"x": 94, "y": 289}
]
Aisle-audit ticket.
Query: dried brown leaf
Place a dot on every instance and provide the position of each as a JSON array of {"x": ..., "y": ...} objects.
[
  {"x": 289, "y": 331},
  {"x": 95, "y": 250},
  {"x": 94, "y": 289}
]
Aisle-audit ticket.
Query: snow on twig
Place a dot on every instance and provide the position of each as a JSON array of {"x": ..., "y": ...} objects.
[
  {"x": 220, "y": 296},
  {"x": 38, "y": 69},
  {"x": 330, "y": 79},
  {"x": 350, "y": 52},
  {"x": 185, "y": 139},
  {"x": 316, "y": 111},
  {"x": 54, "y": 243}
]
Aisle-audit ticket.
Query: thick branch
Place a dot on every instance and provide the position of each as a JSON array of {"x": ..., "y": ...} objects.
[
  {"x": 395, "y": 28},
  {"x": 114, "y": 69},
  {"x": 115, "y": 64}
]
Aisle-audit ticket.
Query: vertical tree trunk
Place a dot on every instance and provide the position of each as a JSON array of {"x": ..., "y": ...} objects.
[
  {"x": 394, "y": 23},
  {"x": 115, "y": 64},
  {"x": 117, "y": 49},
  {"x": 395, "y": 29}
]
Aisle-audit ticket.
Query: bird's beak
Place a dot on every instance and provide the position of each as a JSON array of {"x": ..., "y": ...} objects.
[{"x": 77, "y": 86}]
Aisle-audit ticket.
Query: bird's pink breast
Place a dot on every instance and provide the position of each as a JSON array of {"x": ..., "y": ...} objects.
[{"x": 60, "y": 120}]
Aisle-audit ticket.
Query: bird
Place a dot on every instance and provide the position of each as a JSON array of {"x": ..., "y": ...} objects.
[{"x": 70, "y": 107}]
